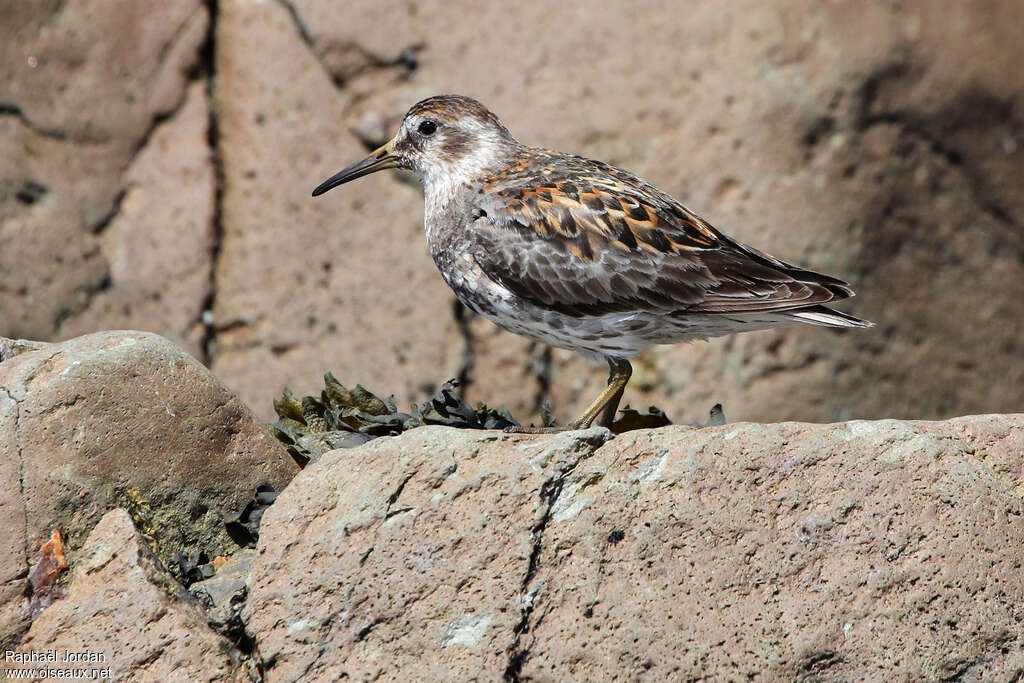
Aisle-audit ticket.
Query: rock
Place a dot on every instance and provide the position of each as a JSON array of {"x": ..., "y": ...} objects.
[
  {"x": 223, "y": 595},
  {"x": 105, "y": 222},
  {"x": 14, "y": 546},
  {"x": 9, "y": 348},
  {"x": 785, "y": 551},
  {"x": 285, "y": 297},
  {"x": 401, "y": 544},
  {"x": 130, "y": 616},
  {"x": 159, "y": 245},
  {"x": 115, "y": 419}
]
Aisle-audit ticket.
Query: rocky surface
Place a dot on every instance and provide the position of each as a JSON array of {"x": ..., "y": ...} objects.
[
  {"x": 223, "y": 595},
  {"x": 106, "y": 183},
  {"x": 163, "y": 184},
  {"x": 121, "y": 419},
  {"x": 14, "y": 545},
  {"x": 443, "y": 601},
  {"x": 159, "y": 245},
  {"x": 344, "y": 286},
  {"x": 9, "y": 348},
  {"x": 130, "y": 617},
  {"x": 761, "y": 551},
  {"x": 767, "y": 552},
  {"x": 156, "y": 161}
]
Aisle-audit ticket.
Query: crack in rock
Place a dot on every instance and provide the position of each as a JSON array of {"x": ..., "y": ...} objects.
[
  {"x": 406, "y": 58},
  {"x": 85, "y": 303},
  {"x": 393, "y": 498},
  {"x": 300, "y": 26},
  {"x": 306, "y": 37},
  {"x": 168, "y": 48},
  {"x": 105, "y": 220},
  {"x": 550, "y": 492},
  {"x": 208, "y": 343},
  {"x": 7, "y": 109},
  {"x": 21, "y": 476}
]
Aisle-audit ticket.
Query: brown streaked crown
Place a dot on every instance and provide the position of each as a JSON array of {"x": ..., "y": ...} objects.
[{"x": 453, "y": 107}]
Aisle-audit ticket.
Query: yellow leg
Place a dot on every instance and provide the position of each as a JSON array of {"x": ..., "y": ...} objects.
[
  {"x": 607, "y": 402},
  {"x": 605, "y": 405}
]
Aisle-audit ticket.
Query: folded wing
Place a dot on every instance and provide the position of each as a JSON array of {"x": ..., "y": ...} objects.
[{"x": 591, "y": 239}]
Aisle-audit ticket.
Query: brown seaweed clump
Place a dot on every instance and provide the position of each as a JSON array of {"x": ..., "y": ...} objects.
[{"x": 343, "y": 417}]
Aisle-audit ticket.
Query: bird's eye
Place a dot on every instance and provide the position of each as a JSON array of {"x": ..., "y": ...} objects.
[{"x": 427, "y": 128}]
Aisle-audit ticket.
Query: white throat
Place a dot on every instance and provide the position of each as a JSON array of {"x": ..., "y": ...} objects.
[{"x": 444, "y": 179}]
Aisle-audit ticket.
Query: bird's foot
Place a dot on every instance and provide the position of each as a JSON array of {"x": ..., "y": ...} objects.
[
  {"x": 522, "y": 429},
  {"x": 552, "y": 429}
]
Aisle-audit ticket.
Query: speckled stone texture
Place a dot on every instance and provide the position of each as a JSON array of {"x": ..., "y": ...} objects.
[
  {"x": 852, "y": 551},
  {"x": 84, "y": 422},
  {"x": 163, "y": 183},
  {"x": 124, "y": 606},
  {"x": 106, "y": 179}
]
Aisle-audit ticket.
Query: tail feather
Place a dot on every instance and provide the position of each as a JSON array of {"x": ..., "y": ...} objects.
[{"x": 821, "y": 315}]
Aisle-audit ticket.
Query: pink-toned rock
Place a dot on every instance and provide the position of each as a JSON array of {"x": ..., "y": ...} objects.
[
  {"x": 72, "y": 74},
  {"x": 9, "y": 348},
  {"x": 128, "y": 617},
  {"x": 415, "y": 546},
  {"x": 303, "y": 286},
  {"x": 159, "y": 245},
  {"x": 86, "y": 86},
  {"x": 788, "y": 551},
  {"x": 775, "y": 552},
  {"x": 14, "y": 557},
  {"x": 84, "y": 422}
]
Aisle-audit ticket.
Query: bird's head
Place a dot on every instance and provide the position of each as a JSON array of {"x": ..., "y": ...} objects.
[{"x": 447, "y": 139}]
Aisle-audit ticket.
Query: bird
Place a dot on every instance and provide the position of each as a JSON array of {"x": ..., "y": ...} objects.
[{"x": 582, "y": 255}]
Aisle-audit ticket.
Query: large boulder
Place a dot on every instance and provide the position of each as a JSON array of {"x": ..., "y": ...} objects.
[
  {"x": 121, "y": 419},
  {"x": 786, "y": 551}
]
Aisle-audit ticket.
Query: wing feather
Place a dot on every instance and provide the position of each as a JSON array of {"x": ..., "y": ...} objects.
[{"x": 586, "y": 238}]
